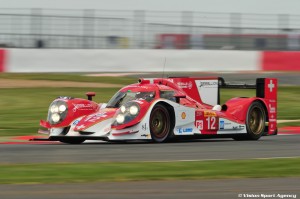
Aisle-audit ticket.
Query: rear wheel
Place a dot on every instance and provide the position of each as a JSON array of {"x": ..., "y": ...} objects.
[
  {"x": 160, "y": 123},
  {"x": 255, "y": 122}
]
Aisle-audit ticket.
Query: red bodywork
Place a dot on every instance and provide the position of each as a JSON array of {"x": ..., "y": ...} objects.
[{"x": 76, "y": 109}]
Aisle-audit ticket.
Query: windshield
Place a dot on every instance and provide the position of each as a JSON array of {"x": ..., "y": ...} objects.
[{"x": 121, "y": 98}]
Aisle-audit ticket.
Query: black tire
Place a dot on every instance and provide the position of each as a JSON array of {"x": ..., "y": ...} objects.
[
  {"x": 160, "y": 124},
  {"x": 73, "y": 141},
  {"x": 255, "y": 122}
]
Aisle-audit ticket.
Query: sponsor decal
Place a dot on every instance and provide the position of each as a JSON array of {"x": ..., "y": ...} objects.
[
  {"x": 144, "y": 127},
  {"x": 238, "y": 127},
  {"x": 271, "y": 86},
  {"x": 241, "y": 126},
  {"x": 139, "y": 101},
  {"x": 199, "y": 113},
  {"x": 227, "y": 125},
  {"x": 95, "y": 117},
  {"x": 188, "y": 85},
  {"x": 184, "y": 130},
  {"x": 222, "y": 124},
  {"x": 81, "y": 127},
  {"x": 183, "y": 115},
  {"x": 199, "y": 124},
  {"x": 208, "y": 90},
  {"x": 76, "y": 122},
  {"x": 208, "y": 84},
  {"x": 272, "y": 109},
  {"x": 82, "y": 107},
  {"x": 210, "y": 114},
  {"x": 145, "y": 135}
]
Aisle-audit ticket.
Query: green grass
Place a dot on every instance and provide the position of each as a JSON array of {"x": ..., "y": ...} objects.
[
  {"x": 22, "y": 108},
  {"x": 288, "y": 124},
  {"x": 136, "y": 171}
]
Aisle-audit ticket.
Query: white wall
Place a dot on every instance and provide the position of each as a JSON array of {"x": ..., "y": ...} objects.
[{"x": 61, "y": 60}]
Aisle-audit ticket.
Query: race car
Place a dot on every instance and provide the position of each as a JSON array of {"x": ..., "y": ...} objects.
[{"x": 164, "y": 109}]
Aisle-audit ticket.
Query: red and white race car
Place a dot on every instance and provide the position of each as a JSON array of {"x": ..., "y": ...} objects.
[{"x": 161, "y": 109}]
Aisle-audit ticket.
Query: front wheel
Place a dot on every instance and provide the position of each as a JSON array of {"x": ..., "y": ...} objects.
[{"x": 160, "y": 124}]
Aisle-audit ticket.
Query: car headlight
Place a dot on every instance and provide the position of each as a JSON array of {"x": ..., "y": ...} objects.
[
  {"x": 55, "y": 117},
  {"x": 127, "y": 113},
  {"x": 57, "y": 112},
  {"x": 133, "y": 110},
  {"x": 62, "y": 108},
  {"x": 54, "y": 108},
  {"x": 120, "y": 118},
  {"x": 123, "y": 109}
]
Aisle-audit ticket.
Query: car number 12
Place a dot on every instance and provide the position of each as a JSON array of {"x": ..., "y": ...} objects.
[{"x": 211, "y": 123}]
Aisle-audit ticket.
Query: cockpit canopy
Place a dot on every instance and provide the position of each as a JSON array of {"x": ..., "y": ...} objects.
[{"x": 122, "y": 97}]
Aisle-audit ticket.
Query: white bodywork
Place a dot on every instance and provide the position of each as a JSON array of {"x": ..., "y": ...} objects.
[{"x": 184, "y": 125}]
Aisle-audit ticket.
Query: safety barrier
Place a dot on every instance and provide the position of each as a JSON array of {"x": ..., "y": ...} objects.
[{"x": 141, "y": 60}]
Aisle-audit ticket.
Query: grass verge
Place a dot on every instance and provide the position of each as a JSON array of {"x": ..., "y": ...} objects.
[
  {"x": 136, "y": 171},
  {"x": 23, "y": 108}
]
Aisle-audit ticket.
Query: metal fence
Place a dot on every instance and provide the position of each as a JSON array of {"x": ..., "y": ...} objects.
[{"x": 99, "y": 29}]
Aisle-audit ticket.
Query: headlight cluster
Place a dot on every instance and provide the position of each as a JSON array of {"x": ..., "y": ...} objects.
[
  {"x": 127, "y": 113},
  {"x": 57, "y": 112}
]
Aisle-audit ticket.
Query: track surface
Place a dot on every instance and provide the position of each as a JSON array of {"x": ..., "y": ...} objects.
[
  {"x": 266, "y": 147},
  {"x": 206, "y": 189}
]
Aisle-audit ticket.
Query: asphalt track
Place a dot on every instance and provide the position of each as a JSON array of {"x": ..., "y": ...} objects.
[
  {"x": 39, "y": 152},
  {"x": 277, "y": 188},
  {"x": 266, "y": 147}
]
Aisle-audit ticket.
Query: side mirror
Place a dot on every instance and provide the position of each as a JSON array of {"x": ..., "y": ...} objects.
[{"x": 90, "y": 95}]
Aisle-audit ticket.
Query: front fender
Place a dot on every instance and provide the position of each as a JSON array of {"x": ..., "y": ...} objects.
[{"x": 76, "y": 108}]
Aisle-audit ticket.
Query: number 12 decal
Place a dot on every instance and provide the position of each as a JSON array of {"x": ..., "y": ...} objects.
[{"x": 212, "y": 123}]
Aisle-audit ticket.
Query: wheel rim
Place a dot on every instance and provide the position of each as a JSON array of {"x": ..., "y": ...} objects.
[
  {"x": 159, "y": 123},
  {"x": 256, "y": 120}
]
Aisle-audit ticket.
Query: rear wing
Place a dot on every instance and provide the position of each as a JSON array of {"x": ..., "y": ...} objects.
[
  {"x": 207, "y": 89},
  {"x": 265, "y": 87}
]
